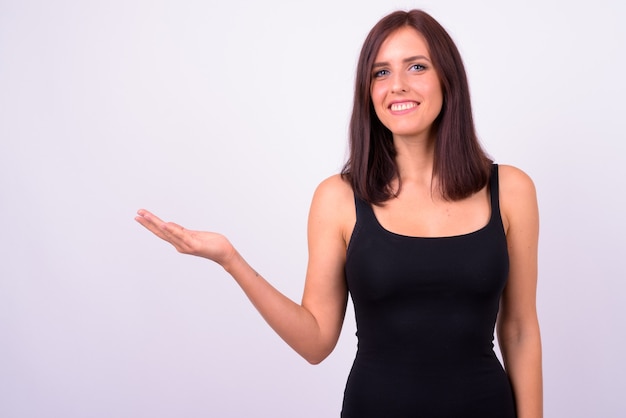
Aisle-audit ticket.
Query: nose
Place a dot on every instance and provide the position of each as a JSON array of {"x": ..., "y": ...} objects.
[{"x": 398, "y": 83}]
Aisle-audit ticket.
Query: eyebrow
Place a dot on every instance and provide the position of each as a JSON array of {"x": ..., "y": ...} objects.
[{"x": 406, "y": 60}]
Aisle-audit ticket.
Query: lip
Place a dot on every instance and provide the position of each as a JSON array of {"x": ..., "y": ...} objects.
[{"x": 403, "y": 106}]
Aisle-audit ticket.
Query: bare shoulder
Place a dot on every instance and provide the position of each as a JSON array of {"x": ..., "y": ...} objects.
[
  {"x": 513, "y": 177},
  {"x": 334, "y": 187},
  {"x": 333, "y": 205},
  {"x": 518, "y": 197}
]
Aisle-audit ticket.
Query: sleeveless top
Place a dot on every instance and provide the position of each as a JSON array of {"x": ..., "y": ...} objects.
[{"x": 425, "y": 311}]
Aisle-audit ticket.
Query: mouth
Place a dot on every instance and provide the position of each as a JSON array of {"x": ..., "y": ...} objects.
[{"x": 399, "y": 107}]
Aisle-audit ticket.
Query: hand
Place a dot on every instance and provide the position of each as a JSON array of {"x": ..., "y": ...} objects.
[{"x": 209, "y": 245}]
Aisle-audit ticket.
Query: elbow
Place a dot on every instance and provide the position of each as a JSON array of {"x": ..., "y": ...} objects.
[
  {"x": 315, "y": 358},
  {"x": 317, "y": 349},
  {"x": 516, "y": 335},
  {"x": 518, "y": 330},
  {"x": 314, "y": 361}
]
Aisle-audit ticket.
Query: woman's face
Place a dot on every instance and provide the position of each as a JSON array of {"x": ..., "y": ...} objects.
[{"x": 406, "y": 91}]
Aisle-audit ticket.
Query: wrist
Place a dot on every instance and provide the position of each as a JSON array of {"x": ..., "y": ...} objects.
[{"x": 231, "y": 261}]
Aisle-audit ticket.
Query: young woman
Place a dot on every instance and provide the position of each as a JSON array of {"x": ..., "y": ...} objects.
[{"x": 434, "y": 243}]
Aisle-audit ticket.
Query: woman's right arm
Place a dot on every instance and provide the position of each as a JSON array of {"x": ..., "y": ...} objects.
[{"x": 312, "y": 327}]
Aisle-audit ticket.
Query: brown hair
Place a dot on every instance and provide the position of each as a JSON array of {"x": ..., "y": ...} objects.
[{"x": 461, "y": 165}]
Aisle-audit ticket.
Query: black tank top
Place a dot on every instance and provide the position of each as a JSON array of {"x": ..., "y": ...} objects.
[{"x": 425, "y": 311}]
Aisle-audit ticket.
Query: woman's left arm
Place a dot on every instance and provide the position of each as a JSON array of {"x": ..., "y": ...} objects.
[{"x": 518, "y": 325}]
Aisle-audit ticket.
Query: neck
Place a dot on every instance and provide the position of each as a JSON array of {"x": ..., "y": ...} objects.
[{"x": 415, "y": 158}]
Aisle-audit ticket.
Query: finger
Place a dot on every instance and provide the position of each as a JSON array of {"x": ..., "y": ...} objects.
[
  {"x": 178, "y": 236},
  {"x": 151, "y": 222},
  {"x": 149, "y": 216},
  {"x": 173, "y": 231}
]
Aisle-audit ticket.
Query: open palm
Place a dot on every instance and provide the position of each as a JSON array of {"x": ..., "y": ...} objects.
[{"x": 211, "y": 245}]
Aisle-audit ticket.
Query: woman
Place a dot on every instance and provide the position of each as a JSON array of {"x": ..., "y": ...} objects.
[{"x": 432, "y": 240}]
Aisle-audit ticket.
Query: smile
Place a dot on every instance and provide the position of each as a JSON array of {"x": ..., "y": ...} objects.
[{"x": 398, "y": 107}]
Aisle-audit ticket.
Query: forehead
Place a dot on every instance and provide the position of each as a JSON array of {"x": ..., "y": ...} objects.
[{"x": 401, "y": 43}]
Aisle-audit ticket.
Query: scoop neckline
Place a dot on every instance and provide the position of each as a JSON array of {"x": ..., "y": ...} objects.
[{"x": 443, "y": 237}]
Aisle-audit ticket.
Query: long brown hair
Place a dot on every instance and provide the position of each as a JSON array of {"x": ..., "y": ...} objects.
[{"x": 461, "y": 165}]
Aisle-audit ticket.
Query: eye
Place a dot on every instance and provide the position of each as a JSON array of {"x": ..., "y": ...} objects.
[
  {"x": 417, "y": 67},
  {"x": 381, "y": 73}
]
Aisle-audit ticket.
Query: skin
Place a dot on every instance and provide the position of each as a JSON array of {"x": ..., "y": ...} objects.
[{"x": 407, "y": 97}]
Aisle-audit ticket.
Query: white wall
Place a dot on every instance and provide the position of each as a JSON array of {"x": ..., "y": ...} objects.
[{"x": 225, "y": 116}]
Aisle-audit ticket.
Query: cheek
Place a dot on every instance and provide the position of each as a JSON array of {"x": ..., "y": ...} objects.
[
  {"x": 435, "y": 94},
  {"x": 377, "y": 96},
  {"x": 378, "y": 111},
  {"x": 438, "y": 91},
  {"x": 374, "y": 95},
  {"x": 438, "y": 97}
]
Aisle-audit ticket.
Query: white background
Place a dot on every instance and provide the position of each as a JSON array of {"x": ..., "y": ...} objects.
[{"x": 225, "y": 116}]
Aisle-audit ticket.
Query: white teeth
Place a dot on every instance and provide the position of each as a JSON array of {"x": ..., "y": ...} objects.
[{"x": 403, "y": 106}]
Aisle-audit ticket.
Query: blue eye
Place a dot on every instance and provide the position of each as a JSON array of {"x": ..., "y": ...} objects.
[
  {"x": 381, "y": 73},
  {"x": 418, "y": 67}
]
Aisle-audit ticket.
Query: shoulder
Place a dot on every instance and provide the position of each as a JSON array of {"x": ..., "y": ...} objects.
[
  {"x": 333, "y": 205},
  {"x": 334, "y": 189},
  {"x": 518, "y": 197},
  {"x": 514, "y": 181}
]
